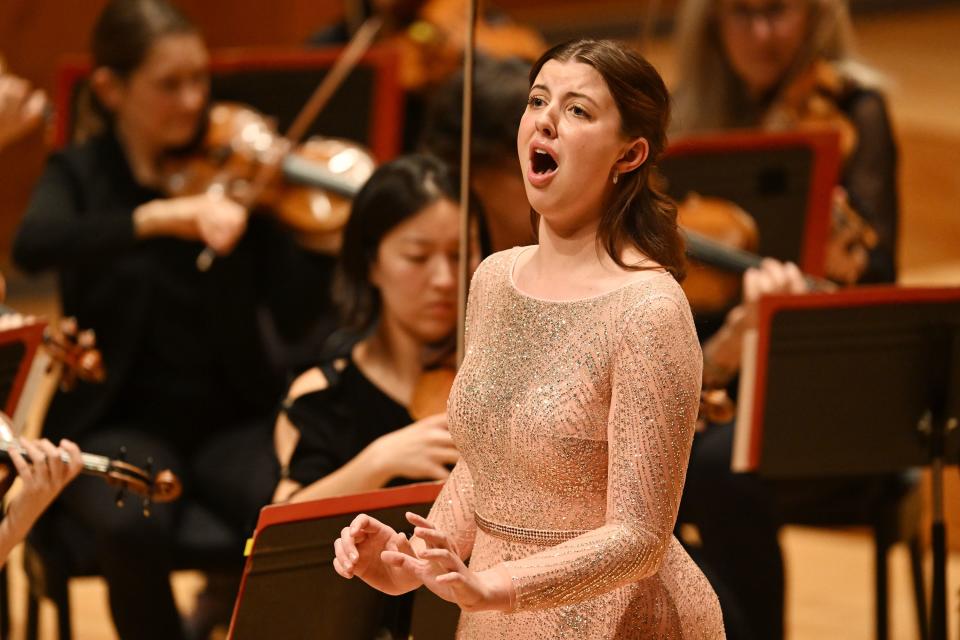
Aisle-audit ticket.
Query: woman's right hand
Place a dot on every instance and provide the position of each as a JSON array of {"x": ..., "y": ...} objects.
[
  {"x": 214, "y": 219},
  {"x": 419, "y": 451},
  {"x": 357, "y": 553}
]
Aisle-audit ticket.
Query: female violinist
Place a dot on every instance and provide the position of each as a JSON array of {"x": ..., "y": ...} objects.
[
  {"x": 190, "y": 383},
  {"x": 777, "y": 64},
  {"x": 346, "y": 425},
  {"x": 780, "y": 64}
]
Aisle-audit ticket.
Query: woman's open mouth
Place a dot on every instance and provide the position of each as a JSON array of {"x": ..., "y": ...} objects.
[{"x": 543, "y": 166}]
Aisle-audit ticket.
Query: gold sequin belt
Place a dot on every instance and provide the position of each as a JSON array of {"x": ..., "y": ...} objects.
[{"x": 542, "y": 537}]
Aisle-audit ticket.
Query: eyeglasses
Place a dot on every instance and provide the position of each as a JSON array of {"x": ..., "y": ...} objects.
[{"x": 743, "y": 15}]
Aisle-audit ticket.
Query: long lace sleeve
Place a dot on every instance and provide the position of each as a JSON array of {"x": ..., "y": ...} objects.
[
  {"x": 453, "y": 510},
  {"x": 654, "y": 389},
  {"x": 870, "y": 178}
]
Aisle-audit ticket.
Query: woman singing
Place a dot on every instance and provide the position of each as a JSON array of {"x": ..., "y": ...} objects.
[{"x": 575, "y": 405}]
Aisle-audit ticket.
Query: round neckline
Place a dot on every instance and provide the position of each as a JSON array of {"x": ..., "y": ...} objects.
[{"x": 593, "y": 298}]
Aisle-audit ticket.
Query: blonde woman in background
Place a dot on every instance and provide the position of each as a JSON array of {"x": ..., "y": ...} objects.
[{"x": 776, "y": 65}]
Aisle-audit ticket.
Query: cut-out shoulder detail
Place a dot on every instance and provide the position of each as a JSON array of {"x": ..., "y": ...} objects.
[{"x": 309, "y": 381}]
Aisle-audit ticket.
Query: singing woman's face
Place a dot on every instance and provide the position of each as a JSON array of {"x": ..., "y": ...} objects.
[
  {"x": 568, "y": 143},
  {"x": 761, "y": 39},
  {"x": 163, "y": 99},
  {"x": 416, "y": 272}
]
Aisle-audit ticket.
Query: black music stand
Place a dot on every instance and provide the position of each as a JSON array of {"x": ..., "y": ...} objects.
[
  {"x": 290, "y": 590},
  {"x": 785, "y": 181},
  {"x": 864, "y": 381}
]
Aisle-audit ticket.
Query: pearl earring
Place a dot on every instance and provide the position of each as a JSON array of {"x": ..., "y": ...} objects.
[{"x": 616, "y": 176}]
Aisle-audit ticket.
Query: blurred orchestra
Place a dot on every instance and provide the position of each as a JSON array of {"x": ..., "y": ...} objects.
[{"x": 232, "y": 237}]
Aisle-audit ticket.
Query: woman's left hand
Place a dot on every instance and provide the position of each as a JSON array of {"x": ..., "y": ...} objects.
[{"x": 441, "y": 570}]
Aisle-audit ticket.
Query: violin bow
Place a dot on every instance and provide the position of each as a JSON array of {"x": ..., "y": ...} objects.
[
  {"x": 466, "y": 130},
  {"x": 359, "y": 44}
]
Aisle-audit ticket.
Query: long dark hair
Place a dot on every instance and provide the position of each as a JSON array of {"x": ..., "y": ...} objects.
[
  {"x": 127, "y": 29},
  {"x": 638, "y": 213},
  {"x": 395, "y": 192},
  {"x": 121, "y": 40}
]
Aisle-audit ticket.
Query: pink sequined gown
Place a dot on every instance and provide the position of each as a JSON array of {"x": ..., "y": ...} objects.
[{"x": 574, "y": 420}]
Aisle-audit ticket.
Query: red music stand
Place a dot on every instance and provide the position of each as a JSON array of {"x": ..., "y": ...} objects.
[
  {"x": 289, "y": 588},
  {"x": 858, "y": 382},
  {"x": 18, "y": 374}
]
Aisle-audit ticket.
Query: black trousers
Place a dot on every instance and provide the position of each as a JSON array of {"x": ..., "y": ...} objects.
[
  {"x": 231, "y": 472},
  {"x": 738, "y": 516}
]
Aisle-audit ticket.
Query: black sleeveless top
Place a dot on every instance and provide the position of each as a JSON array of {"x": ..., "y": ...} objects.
[{"x": 338, "y": 422}]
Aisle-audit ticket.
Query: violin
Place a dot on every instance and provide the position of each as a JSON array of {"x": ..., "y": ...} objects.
[
  {"x": 810, "y": 103},
  {"x": 721, "y": 241},
  {"x": 75, "y": 352},
  {"x": 722, "y": 236},
  {"x": 152, "y": 487},
  {"x": 433, "y": 41},
  {"x": 309, "y": 187},
  {"x": 433, "y": 387},
  {"x": 73, "y": 357}
]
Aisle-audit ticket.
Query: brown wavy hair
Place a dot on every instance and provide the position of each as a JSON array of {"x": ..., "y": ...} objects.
[{"x": 638, "y": 213}]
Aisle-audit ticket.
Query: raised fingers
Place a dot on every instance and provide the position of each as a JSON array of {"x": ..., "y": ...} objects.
[
  {"x": 340, "y": 570},
  {"x": 348, "y": 548},
  {"x": 24, "y": 469},
  {"x": 38, "y": 459},
  {"x": 434, "y": 538},
  {"x": 444, "y": 558},
  {"x": 796, "y": 282},
  {"x": 342, "y": 562},
  {"x": 402, "y": 561},
  {"x": 76, "y": 457},
  {"x": 52, "y": 457},
  {"x": 418, "y": 521}
]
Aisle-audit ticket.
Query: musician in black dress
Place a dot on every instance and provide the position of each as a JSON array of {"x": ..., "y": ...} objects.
[
  {"x": 191, "y": 382},
  {"x": 345, "y": 426}
]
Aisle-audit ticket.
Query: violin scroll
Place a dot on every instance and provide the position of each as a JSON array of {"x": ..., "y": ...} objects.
[{"x": 76, "y": 351}]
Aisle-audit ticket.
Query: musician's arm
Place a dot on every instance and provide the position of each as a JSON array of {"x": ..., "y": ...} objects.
[
  {"x": 42, "y": 480},
  {"x": 870, "y": 178}
]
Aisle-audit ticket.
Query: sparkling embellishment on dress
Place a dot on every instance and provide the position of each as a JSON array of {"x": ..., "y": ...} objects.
[{"x": 574, "y": 421}]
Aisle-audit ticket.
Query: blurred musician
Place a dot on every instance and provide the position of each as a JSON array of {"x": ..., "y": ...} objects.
[
  {"x": 777, "y": 64},
  {"x": 347, "y": 425},
  {"x": 43, "y": 473},
  {"x": 189, "y": 383},
  {"x": 500, "y": 95},
  {"x": 428, "y": 38}
]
